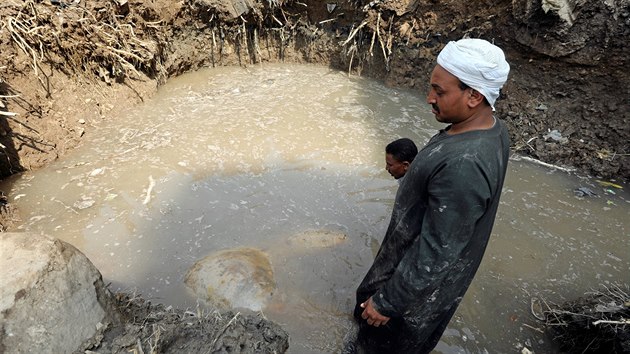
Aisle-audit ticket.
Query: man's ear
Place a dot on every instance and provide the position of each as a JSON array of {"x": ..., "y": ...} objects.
[
  {"x": 475, "y": 98},
  {"x": 406, "y": 164}
]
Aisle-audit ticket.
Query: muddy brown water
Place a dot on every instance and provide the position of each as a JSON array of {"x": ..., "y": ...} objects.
[{"x": 232, "y": 157}]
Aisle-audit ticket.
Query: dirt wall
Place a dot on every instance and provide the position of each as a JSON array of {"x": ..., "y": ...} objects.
[{"x": 67, "y": 65}]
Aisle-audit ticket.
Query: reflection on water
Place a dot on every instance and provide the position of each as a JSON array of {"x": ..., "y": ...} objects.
[{"x": 259, "y": 157}]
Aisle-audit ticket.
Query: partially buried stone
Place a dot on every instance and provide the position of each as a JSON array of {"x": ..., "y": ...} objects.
[
  {"x": 235, "y": 278},
  {"x": 318, "y": 239}
]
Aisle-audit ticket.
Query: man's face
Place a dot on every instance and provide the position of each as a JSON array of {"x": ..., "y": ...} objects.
[
  {"x": 395, "y": 168},
  {"x": 447, "y": 99}
]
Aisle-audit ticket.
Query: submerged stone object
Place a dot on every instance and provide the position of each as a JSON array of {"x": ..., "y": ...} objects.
[
  {"x": 234, "y": 278},
  {"x": 318, "y": 239},
  {"x": 52, "y": 298}
]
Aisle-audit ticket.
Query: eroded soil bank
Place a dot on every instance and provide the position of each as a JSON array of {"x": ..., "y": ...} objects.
[{"x": 66, "y": 65}]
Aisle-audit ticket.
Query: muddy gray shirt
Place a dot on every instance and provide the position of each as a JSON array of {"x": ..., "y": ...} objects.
[{"x": 440, "y": 225}]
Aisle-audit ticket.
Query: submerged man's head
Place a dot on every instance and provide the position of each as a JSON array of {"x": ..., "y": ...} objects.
[{"x": 398, "y": 156}]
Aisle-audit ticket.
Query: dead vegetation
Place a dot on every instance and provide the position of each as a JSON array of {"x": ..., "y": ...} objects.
[
  {"x": 75, "y": 38},
  {"x": 143, "y": 327},
  {"x": 599, "y": 322}
]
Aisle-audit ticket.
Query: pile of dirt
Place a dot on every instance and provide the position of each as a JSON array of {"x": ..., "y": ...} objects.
[{"x": 142, "y": 327}]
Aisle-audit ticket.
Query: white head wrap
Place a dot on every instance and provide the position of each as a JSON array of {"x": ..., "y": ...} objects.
[{"x": 477, "y": 63}]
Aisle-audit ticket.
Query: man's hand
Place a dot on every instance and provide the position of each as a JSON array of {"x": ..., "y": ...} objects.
[{"x": 371, "y": 315}]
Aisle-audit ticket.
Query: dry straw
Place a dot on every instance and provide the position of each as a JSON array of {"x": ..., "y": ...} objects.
[{"x": 599, "y": 322}]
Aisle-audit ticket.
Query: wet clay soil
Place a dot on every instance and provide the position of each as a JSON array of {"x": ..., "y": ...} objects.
[{"x": 68, "y": 65}]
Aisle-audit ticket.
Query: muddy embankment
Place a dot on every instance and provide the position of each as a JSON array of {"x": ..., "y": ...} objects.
[{"x": 67, "y": 65}]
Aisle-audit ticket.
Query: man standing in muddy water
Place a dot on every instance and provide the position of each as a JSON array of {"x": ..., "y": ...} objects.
[
  {"x": 399, "y": 155},
  {"x": 444, "y": 210}
]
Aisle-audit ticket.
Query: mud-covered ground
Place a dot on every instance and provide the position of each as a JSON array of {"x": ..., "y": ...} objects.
[
  {"x": 67, "y": 65},
  {"x": 141, "y": 327}
]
